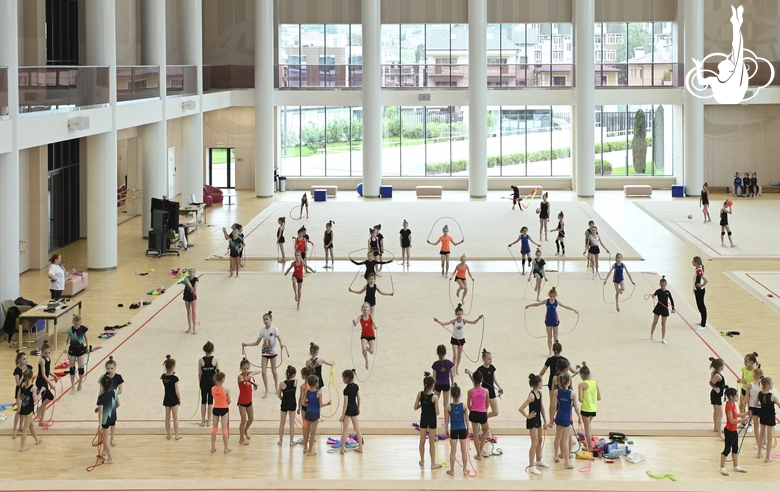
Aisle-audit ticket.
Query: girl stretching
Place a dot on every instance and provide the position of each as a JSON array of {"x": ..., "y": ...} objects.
[
  {"x": 286, "y": 393},
  {"x": 299, "y": 267},
  {"x": 428, "y": 405},
  {"x": 458, "y": 339},
  {"x": 718, "y": 385},
  {"x": 560, "y": 246},
  {"x": 725, "y": 211},
  {"x": 172, "y": 398},
  {"x": 406, "y": 242},
  {"x": 328, "y": 243},
  {"x": 351, "y": 410},
  {"x": 551, "y": 319},
  {"x": 456, "y": 414},
  {"x": 537, "y": 272},
  {"x": 304, "y": 205},
  {"x": 535, "y": 419},
  {"x": 619, "y": 268},
  {"x": 476, "y": 402},
  {"x": 370, "y": 264},
  {"x": 663, "y": 301},
  {"x": 269, "y": 336},
  {"x": 280, "y": 238},
  {"x": 246, "y": 385},
  {"x": 768, "y": 400},
  {"x": 461, "y": 269},
  {"x": 562, "y": 405},
  {"x": 525, "y": 248},
  {"x": 221, "y": 412},
  {"x": 208, "y": 366},
  {"x": 367, "y": 331},
  {"x": 190, "y": 296},
  {"x": 442, "y": 369},
  {"x": 371, "y": 290},
  {"x": 446, "y": 240},
  {"x": 588, "y": 394}
]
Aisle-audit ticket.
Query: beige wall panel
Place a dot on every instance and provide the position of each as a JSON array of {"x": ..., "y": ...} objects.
[
  {"x": 636, "y": 10},
  {"x": 518, "y": 11},
  {"x": 233, "y": 127},
  {"x": 128, "y": 32},
  {"x": 760, "y": 30},
  {"x": 425, "y": 11},
  {"x": 228, "y": 32},
  {"x": 32, "y": 33},
  {"x": 320, "y": 11}
]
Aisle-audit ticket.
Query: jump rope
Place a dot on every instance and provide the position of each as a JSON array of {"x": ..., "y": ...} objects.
[
  {"x": 460, "y": 344},
  {"x": 352, "y": 353},
  {"x": 439, "y": 220},
  {"x": 525, "y": 323},
  {"x": 97, "y": 442},
  {"x": 449, "y": 295},
  {"x": 389, "y": 273}
]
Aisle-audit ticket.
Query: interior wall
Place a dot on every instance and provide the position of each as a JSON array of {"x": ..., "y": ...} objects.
[
  {"x": 174, "y": 140},
  {"x": 35, "y": 211},
  {"x": 744, "y": 139},
  {"x": 760, "y": 29},
  {"x": 174, "y": 36},
  {"x": 330, "y": 11},
  {"x": 636, "y": 10},
  {"x": 228, "y": 32},
  {"x": 234, "y": 128},
  {"x": 129, "y": 167},
  {"x": 32, "y": 37},
  {"x": 128, "y": 32},
  {"x": 24, "y": 211}
]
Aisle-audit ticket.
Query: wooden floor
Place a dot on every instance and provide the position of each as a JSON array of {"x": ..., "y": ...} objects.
[{"x": 149, "y": 461}]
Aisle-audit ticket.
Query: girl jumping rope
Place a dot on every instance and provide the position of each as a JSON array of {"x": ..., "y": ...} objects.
[
  {"x": 272, "y": 342},
  {"x": 367, "y": 331},
  {"x": 458, "y": 339},
  {"x": 299, "y": 267},
  {"x": 537, "y": 273},
  {"x": 551, "y": 319},
  {"x": 619, "y": 268},
  {"x": 461, "y": 269},
  {"x": 525, "y": 248},
  {"x": 445, "y": 240},
  {"x": 371, "y": 291}
]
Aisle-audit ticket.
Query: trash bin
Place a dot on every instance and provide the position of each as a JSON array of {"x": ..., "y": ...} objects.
[{"x": 282, "y": 184}]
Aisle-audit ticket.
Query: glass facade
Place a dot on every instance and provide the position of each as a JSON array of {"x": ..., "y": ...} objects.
[
  {"x": 636, "y": 54},
  {"x": 619, "y": 143},
  {"x": 320, "y": 55}
]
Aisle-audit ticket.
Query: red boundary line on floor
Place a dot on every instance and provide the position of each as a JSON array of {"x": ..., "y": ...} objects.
[
  {"x": 307, "y": 489},
  {"x": 409, "y": 421},
  {"x": 271, "y": 213},
  {"x": 762, "y": 285},
  {"x": 696, "y": 237}
]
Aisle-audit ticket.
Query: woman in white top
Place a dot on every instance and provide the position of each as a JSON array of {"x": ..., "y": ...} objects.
[
  {"x": 56, "y": 276},
  {"x": 268, "y": 337}
]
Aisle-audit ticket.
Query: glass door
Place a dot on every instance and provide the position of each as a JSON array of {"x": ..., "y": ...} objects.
[{"x": 222, "y": 168}]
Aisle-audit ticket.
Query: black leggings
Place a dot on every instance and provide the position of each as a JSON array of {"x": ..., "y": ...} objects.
[
  {"x": 206, "y": 398},
  {"x": 700, "y": 304}
]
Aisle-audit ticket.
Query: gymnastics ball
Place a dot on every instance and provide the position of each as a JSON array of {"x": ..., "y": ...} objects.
[
  {"x": 690, "y": 216},
  {"x": 729, "y": 203},
  {"x": 538, "y": 210}
]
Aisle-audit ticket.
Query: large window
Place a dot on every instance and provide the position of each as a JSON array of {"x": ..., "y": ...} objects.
[
  {"x": 320, "y": 55},
  {"x": 425, "y": 141},
  {"x": 637, "y": 54},
  {"x": 529, "y": 141},
  {"x": 425, "y": 55},
  {"x": 321, "y": 140},
  {"x": 620, "y": 148}
]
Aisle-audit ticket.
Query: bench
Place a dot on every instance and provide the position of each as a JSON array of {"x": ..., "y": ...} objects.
[
  {"x": 331, "y": 189},
  {"x": 637, "y": 190},
  {"x": 429, "y": 191},
  {"x": 75, "y": 284},
  {"x": 769, "y": 189},
  {"x": 529, "y": 190}
]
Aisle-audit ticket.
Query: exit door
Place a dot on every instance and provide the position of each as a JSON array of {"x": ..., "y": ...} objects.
[{"x": 222, "y": 168}]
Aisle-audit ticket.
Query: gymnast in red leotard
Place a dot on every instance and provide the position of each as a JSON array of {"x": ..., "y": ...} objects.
[
  {"x": 367, "y": 331},
  {"x": 298, "y": 266}
]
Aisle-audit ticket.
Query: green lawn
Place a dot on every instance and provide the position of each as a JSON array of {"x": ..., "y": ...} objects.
[{"x": 621, "y": 171}]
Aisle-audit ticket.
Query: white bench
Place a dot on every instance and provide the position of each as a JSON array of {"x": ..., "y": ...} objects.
[
  {"x": 429, "y": 191},
  {"x": 637, "y": 190},
  {"x": 331, "y": 189},
  {"x": 528, "y": 190}
]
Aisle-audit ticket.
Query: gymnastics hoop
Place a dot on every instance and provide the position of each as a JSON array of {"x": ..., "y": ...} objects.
[
  {"x": 525, "y": 323},
  {"x": 449, "y": 294},
  {"x": 352, "y": 354},
  {"x": 299, "y": 218},
  {"x": 461, "y": 345},
  {"x": 332, "y": 382},
  {"x": 99, "y": 445},
  {"x": 462, "y": 237},
  {"x": 604, "y": 298}
]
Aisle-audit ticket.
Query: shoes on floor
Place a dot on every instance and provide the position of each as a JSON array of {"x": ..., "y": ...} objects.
[
  {"x": 723, "y": 472},
  {"x": 664, "y": 341},
  {"x": 733, "y": 245}
]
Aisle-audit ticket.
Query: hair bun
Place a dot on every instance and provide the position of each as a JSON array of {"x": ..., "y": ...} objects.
[
  {"x": 531, "y": 375},
  {"x": 110, "y": 357},
  {"x": 459, "y": 306},
  {"x": 584, "y": 364},
  {"x": 712, "y": 359},
  {"x": 311, "y": 344},
  {"x": 454, "y": 385},
  {"x": 427, "y": 374},
  {"x": 755, "y": 354}
]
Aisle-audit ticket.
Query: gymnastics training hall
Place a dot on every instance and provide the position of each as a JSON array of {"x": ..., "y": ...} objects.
[{"x": 137, "y": 135}]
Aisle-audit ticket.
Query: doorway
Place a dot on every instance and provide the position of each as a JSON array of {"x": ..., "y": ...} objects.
[
  {"x": 63, "y": 193},
  {"x": 222, "y": 168}
]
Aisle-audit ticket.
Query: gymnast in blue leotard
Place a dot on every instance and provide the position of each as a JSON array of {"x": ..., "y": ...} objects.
[
  {"x": 619, "y": 268},
  {"x": 525, "y": 247},
  {"x": 551, "y": 320}
]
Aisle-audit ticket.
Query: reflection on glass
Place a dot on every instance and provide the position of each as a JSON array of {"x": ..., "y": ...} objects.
[
  {"x": 620, "y": 148},
  {"x": 62, "y": 88},
  {"x": 133, "y": 83},
  {"x": 3, "y": 91}
]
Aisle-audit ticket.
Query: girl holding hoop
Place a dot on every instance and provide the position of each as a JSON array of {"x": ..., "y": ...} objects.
[
  {"x": 269, "y": 336},
  {"x": 190, "y": 296},
  {"x": 458, "y": 339},
  {"x": 461, "y": 269},
  {"x": 551, "y": 319},
  {"x": 445, "y": 240},
  {"x": 618, "y": 267},
  {"x": 367, "y": 331}
]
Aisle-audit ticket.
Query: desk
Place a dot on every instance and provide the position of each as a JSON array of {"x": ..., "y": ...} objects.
[
  {"x": 198, "y": 209},
  {"x": 229, "y": 195},
  {"x": 36, "y": 314}
]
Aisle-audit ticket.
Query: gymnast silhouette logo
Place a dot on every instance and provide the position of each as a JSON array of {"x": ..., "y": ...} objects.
[{"x": 731, "y": 82}]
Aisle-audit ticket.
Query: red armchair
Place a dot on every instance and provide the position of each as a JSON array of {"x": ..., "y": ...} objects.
[{"x": 211, "y": 195}]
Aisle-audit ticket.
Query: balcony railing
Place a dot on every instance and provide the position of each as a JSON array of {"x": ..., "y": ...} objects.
[
  {"x": 137, "y": 82},
  {"x": 226, "y": 77},
  {"x": 3, "y": 92},
  {"x": 515, "y": 76},
  {"x": 315, "y": 76},
  {"x": 181, "y": 80},
  {"x": 640, "y": 75},
  {"x": 57, "y": 88}
]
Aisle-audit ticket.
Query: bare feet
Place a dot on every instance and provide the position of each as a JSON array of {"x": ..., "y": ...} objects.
[
  {"x": 279, "y": 442},
  {"x": 478, "y": 457},
  {"x": 265, "y": 394},
  {"x": 227, "y": 450},
  {"x": 178, "y": 437},
  {"x": 113, "y": 443},
  {"x": 108, "y": 461},
  {"x": 310, "y": 453},
  {"x": 568, "y": 466},
  {"x": 422, "y": 463},
  {"x": 213, "y": 450},
  {"x": 78, "y": 388},
  {"x": 38, "y": 441},
  {"x": 202, "y": 424},
  {"x": 366, "y": 365},
  {"x": 358, "y": 450},
  {"x": 22, "y": 450},
  {"x": 168, "y": 437},
  {"x": 246, "y": 443},
  {"x": 293, "y": 443},
  {"x": 617, "y": 307},
  {"x": 188, "y": 330},
  {"x": 435, "y": 466}
]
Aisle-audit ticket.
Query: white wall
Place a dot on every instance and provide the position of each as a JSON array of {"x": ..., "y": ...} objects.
[
  {"x": 235, "y": 128},
  {"x": 174, "y": 140}
]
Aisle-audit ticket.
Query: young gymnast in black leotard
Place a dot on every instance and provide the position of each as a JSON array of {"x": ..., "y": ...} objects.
[
  {"x": 371, "y": 290},
  {"x": 663, "y": 303},
  {"x": 328, "y": 243},
  {"x": 725, "y": 211},
  {"x": 370, "y": 264},
  {"x": 208, "y": 365}
]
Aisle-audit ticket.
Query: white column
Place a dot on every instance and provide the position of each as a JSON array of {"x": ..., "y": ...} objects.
[
  {"x": 192, "y": 162},
  {"x": 477, "y": 98},
  {"x": 154, "y": 137},
  {"x": 264, "y": 98},
  {"x": 693, "y": 110},
  {"x": 102, "y": 148},
  {"x": 584, "y": 99},
  {"x": 9, "y": 162},
  {"x": 372, "y": 103}
]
